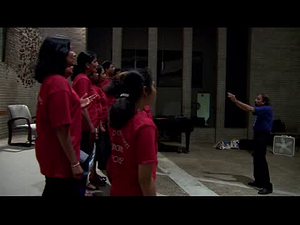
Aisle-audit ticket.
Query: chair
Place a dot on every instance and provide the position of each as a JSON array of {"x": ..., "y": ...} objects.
[{"x": 20, "y": 119}]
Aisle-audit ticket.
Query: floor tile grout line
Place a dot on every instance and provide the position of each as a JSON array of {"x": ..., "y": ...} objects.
[{"x": 186, "y": 182}]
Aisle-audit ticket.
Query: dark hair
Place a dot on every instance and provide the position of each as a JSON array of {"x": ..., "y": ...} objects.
[
  {"x": 117, "y": 70},
  {"x": 124, "y": 108},
  {"x": 83, "y": 58},
  {"x": 265, "y": 99},
  {"x": 114, "y": 88},
  {"x": 52, "y": 57},
  {"x": 99, "y": 69},
  {"x": 106, "y": 64}
]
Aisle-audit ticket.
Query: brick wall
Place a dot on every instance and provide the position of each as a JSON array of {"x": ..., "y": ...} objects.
[
  {"x": 152, "y": 57},
  {"x": 12, "y": 91},
  {"x": 76, "y": 34},
  {"x": 117, "y": 47},
  {"x": 274, "y": 70},
  {"x": 221, "y": 132},
  {"x": 1, "y": 42},
  {"x": 187, "y": 71}
]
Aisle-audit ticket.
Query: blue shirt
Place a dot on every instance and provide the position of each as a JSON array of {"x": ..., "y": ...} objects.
[{"x": 264, "y": 118}]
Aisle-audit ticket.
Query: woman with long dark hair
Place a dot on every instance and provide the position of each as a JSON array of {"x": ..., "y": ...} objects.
[
  {"x": 58, "y": 121},
  {"x": 98, "y": 123},
  {"x": 87, "y": 65},
  {"x": 132, "y": 164}
]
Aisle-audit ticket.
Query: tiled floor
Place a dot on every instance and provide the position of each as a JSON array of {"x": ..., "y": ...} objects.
[{"x": 205, "y": 171}]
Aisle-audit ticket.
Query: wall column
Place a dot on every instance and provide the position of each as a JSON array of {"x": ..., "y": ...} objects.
[
  {"x": 117, "y": 47},
  {"x": 187, "y": 71},
  {"x": 152, "y": 57}
]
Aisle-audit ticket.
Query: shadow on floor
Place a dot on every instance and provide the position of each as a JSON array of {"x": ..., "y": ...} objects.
[
  {"x": 177, "y": 147},
  {"x": 238, "y": 178},
  {"x": 15, "y": 148}
]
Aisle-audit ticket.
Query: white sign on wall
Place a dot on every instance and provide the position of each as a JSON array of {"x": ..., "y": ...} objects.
[{"x": 204, "y": 100}]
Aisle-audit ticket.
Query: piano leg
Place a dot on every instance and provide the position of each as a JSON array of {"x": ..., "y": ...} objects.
[{"x": 187, "y": 142}]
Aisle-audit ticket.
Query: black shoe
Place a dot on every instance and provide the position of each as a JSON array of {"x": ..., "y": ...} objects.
[
  {"x": 265, "y": 191},
  {"x": 179, "y": 150},
  {"x": 254, "y": 184}
]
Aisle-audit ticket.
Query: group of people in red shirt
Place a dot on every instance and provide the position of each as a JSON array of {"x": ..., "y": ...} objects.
[{"x": 99, "y": 110}]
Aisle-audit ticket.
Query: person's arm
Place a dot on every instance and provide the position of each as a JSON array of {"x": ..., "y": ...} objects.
[
  {"x": 87, "y": 119},
  {"x": 83, "y": 87},
  {"x": 64, "y": 136},
  {"x": 102, "y": 129},
  {"x": 60, "y": 119},
  {"x": 147, "y": 158},
  {"x": 146, "y": 180},
  {"x": 240, "y": 104}
]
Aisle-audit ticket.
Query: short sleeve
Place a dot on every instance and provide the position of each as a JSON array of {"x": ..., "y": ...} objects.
[
  {"x": 146, "y": 152},
  {"x": 83, "y": 86},
  {"x": 59, "y": 108},
  {"x": 260, "y": 110}
]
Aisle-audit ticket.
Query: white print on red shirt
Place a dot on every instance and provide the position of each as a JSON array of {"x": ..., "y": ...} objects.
[
  {"x": 117, "y": 148},
  {"x": 117, "y": 159},
  {"x": 120, "y": 134}
]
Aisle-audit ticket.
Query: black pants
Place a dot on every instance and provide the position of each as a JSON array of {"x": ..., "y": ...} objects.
[
  {"x": 85, "y": 142},
  {"x": 64, "y": 187},
  {"x": 98, "y": 146},
  {"x": 104, "y": 149},
  {"x": 261, "y": 169}
]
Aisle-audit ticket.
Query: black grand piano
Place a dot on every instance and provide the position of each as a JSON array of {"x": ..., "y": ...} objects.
[{"x": 175, "y": 125}]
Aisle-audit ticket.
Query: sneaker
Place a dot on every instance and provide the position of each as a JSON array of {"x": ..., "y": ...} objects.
[{"x": 264, "y": 191}]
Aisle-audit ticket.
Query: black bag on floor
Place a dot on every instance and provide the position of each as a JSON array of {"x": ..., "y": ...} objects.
[{"x": 246, "y": 144}]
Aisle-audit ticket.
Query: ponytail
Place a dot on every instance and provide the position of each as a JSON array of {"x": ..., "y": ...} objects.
[
  {"x": 114, "y": 88},
  {"x": 121, "y": 112},
  {"x": 130, "y": 91}
]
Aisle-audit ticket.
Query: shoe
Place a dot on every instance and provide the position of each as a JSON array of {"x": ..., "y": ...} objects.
[
  {"x": 264, "y": 191},
  {"x": 254, "y": 184},
  {"x": 92, "y": 187},
  {"x": 88, "y": 194},
  {"x": 99, "y": 181},
  {"x": 179, "y": 149}
]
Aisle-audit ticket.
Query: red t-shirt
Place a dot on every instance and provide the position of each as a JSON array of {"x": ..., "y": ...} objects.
[
  {"x": 148, "y": 112},
  {"x": 58, "y": 105},
  {"x": 109, "y": 99},
  {"x": 104, "y": 82},
  {"x": 96, "y": 120},
  {"x": 103, "y": 104},
  {"x": 134, "y": 144},
  {"x": 81, "y": 85}
]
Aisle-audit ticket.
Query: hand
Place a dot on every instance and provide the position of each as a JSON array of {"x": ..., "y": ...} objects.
[
  {"x": 102, "y": 129},
  {"x": 232, "y": 97},
  {"x": 77, "y": 172},
  {"x": 86, "y": 101},
  {"x": 93, "y": 137}
]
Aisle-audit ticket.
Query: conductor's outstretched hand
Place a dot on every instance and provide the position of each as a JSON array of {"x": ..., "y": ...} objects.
[{"x": 231, "y": 96}]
